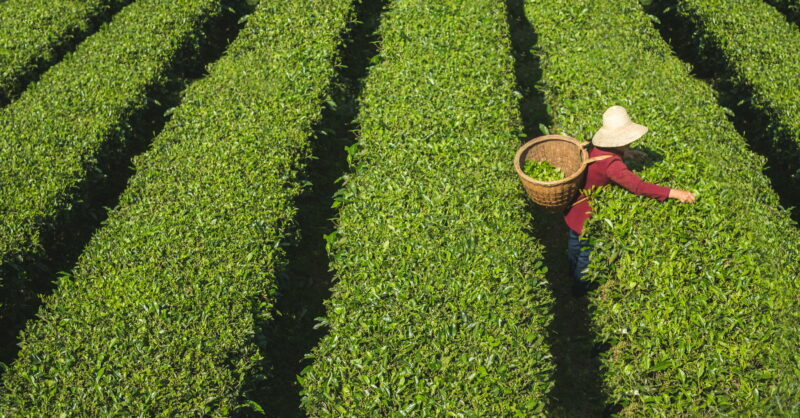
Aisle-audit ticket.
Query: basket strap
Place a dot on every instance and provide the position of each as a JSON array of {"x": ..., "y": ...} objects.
[
  {"x": 599, "y": 158},
  {"x": 579, "y": 200}
]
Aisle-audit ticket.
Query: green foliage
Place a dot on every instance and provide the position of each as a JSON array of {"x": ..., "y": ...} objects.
[
  {"x": 80, "y": 112},
  {"x": 542, "y": 170},
  {"x": 162, "y": 314},
  {"x": 760, "y": 49},
  {"x": 33, "y": 32},
  {"x": 790, "y": 7},
  {"x": 699, "y": 302},
  {"x": 440, "y": 304}
]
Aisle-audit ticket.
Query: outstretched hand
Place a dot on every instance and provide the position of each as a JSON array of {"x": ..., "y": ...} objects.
[{"x": 682, "y": 195}]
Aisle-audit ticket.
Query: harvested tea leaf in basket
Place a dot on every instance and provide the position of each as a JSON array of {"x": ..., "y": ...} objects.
[{"x": 542, "y": 171}]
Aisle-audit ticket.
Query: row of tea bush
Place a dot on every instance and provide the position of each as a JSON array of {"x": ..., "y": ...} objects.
[
  {"x": 758, "y": 47},
  {"x": 790, "y": 7},
  {"x": 33, "y": 33},
  {"x": 82, "y": 112},
  {"x": 440, "y": 305},
  {"x": 697, "y": 302},
  {"x": 163, "y": 313}
]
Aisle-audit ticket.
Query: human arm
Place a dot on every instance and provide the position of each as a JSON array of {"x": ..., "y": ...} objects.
[{"x": 619, "y": 173}]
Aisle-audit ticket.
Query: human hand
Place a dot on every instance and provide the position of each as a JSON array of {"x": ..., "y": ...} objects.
[{"x": 682, "y": 195}]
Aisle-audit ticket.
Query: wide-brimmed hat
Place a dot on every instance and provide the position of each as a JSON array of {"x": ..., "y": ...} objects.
[{"x": 618, "y": 129}]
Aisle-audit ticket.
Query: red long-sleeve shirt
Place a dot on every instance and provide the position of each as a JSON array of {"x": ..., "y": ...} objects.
[{"x": 604, "y": 172}]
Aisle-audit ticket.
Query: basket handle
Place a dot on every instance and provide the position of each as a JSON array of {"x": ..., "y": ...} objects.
[
  {"x": 598, "y": 158},
  {"x": 585, "y": 144}
]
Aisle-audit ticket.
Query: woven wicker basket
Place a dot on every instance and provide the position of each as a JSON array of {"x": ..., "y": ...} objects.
[{"x": 563, "y": 152}]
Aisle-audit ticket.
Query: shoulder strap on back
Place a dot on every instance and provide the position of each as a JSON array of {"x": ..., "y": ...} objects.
[{"x": 598, "y": 158}]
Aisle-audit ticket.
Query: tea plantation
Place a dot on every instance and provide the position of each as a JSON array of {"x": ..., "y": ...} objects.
[{"x": 159, "y": 163}]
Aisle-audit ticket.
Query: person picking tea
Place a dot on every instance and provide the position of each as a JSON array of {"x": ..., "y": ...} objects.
[{"x": 611, "y": 141}]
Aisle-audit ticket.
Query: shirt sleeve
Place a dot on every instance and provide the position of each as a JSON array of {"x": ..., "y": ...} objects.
[{"x": 619, "y": 173}]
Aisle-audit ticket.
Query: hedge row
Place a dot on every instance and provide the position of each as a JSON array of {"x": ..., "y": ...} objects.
[
  {"x": 698, "y": 302},
  {"x": 759, "y": 48},
  {"x": 162, "y": 314},
  {"x": 34, "y": 33},
  {"x": 789, "y": 7},
  {"x": 54, "y": 137},
  {"x": 440, "y": 303}
]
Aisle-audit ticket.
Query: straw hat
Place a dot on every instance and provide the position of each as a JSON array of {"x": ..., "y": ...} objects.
[{"x": 618, "y": 129}]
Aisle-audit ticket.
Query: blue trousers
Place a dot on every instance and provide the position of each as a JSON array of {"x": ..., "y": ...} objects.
[{"x": 578, "y": 251}]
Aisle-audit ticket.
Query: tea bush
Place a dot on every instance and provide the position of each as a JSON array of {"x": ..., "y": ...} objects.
[
  {"x": 759, "y": 48},
  {"x": 162, "y": 314},
  {"x": 440, "y": 303},
  {"x": 54, "y": 136},
  {"x": 698, "y": 302},
  {"x": 790, "y": 7},
  {"x": 33, "y": 33}
]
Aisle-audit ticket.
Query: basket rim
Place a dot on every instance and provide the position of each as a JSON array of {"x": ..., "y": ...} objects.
[{"x": 543, "y": 138}]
